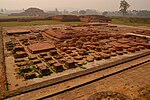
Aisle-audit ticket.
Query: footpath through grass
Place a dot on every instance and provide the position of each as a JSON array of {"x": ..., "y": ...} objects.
[
  {"x": 131, "y": 21},
  {"x": 44, "y": 22}
]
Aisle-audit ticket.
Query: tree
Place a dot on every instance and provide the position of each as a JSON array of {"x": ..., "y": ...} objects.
[
  {"x": 2, "y": 10},
  {"x": 105, "y": 13},
  {"x": 5, "y": 10},
  {"x": 124, "y": 5},
  {"x": 56, "y": 10},
  {"x": 82, "y": 12},
  {"x": 75, "y": 12}
]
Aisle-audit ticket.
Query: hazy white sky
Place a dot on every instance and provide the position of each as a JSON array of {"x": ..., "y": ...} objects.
[{"x": 100, "y": 5}]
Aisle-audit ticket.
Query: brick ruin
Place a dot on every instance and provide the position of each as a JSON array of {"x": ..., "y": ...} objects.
[
  {"x": 94, "y": 18},
  {"x": 142, "y": 32},
  {"x": 39, "y": 47},
  {"x": 86, "y": 18},
  {"x": 66, "y": 18},
  {"x": 17, "y": 31},
  {"x": 61, "y": 34},
  {"x": 35, "y": 55},
  {"x": 38, "y": 14}
]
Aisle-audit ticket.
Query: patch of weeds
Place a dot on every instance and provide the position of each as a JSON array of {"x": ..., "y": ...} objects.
[
  {"x": 35, "y": 69},
  {"x": 7, "y": 85},
  {"x": 40, "y": 76},
  {"x": 81, "y": 66},
  {"x": 21, "y": 73},
  {"x": 30, "y": 64}
]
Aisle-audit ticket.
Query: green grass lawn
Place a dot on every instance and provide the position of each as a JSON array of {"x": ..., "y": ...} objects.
[
  {"x": 45, "y": 22},
  {"x": 131, "y": 21}
]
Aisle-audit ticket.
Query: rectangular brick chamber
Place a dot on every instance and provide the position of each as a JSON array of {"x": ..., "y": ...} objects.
[{"x": 39, "y": 47}]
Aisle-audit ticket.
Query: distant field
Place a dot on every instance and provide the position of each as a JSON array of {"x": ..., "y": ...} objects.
[
  {"x": 131, "y": 21},
  {"x": 115, "y": 20},
  {"x": 6, "y": 16},
  {"x": 45, "y": 22}
]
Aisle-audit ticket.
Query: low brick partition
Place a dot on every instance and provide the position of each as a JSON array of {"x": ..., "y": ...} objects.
[
  {"x": 3, "y": 87},
  {"x": 66, "y": 18},
  {"x": 94, "y": 18}
]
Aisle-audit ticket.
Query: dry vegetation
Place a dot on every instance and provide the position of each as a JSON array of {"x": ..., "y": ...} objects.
[
  {"x": 45, "y": 22},
  {"x": 131, "y": 21}
]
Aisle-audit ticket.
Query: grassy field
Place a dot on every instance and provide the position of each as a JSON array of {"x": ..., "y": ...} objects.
[
  {"x": 45, "y": 22},
  {"x": 131, "y": 21},
  {"x": 6, "y": 16}
]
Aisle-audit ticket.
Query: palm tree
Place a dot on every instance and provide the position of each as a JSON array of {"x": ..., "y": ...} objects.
[{"x": 124, "y": 5}]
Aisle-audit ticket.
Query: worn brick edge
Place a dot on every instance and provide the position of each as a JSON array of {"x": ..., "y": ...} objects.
[{"x": 2, "y": 65}]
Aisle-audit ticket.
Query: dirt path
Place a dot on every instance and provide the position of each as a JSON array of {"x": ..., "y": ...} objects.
[
  {"x": 2, "y": 70},
  {"x": 129, "y": 83}
]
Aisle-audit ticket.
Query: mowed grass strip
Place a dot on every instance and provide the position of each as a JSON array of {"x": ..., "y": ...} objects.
[
  {"x": 44, "y": 22},
  {"x": 133, "y": 21}
]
